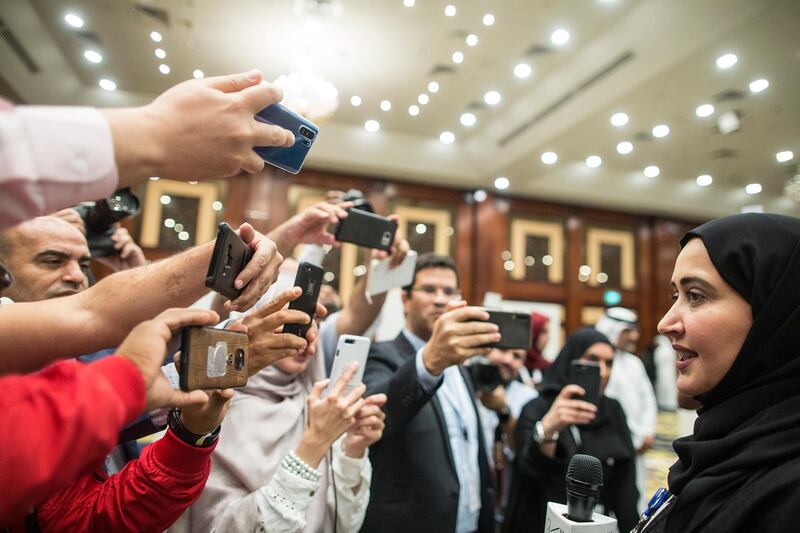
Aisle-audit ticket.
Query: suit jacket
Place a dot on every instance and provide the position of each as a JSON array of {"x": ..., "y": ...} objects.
[{"x": 414, "y": 482}]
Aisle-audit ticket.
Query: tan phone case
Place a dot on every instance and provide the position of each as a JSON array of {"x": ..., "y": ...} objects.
[{"x": 212, "y": 358}]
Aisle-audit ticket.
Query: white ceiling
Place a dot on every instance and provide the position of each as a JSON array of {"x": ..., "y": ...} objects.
[{"x": 380, "y": 49}]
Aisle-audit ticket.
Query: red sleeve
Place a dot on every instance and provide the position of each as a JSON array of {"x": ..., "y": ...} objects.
[
  {"x": 149, "y": 494},
  {"x": 60, "y": 423}
]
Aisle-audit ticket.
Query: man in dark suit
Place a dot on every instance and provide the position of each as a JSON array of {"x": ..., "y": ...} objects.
[{"x": 431, "y": 471}]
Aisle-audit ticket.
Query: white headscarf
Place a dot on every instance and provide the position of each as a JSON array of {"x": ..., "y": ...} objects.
[{"x": 615, "y": 321}]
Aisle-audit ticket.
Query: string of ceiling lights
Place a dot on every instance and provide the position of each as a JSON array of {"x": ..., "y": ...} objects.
[{"x": 76, "y": 22}]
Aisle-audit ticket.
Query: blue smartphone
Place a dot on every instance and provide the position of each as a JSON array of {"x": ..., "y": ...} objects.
[{"x": 305, "y": 133}]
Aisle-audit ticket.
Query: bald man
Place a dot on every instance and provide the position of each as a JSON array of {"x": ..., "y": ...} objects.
[{"x": 47, "y": 256}]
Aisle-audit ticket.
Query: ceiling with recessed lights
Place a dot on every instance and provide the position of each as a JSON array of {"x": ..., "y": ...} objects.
[{"x": 681, "y": 108}]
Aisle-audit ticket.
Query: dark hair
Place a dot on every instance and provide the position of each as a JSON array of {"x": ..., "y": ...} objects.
[{"x": 432, "y": 260}]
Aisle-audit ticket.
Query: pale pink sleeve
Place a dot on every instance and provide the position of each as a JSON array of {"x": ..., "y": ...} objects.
[{"x": 52, "y": 158}]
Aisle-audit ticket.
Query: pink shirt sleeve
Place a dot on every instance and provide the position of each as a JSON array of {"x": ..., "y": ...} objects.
[{"x": 52, "y": 158}]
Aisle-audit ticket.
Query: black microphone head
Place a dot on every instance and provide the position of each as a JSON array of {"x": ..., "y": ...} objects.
[{"x": 586, "y": 469}]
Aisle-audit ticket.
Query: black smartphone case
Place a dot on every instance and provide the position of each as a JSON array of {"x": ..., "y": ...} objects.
[
  {"x": 309, "y": 278},
  {"x": 587, "y": 375},
  {"x": 366, "y": 229},
  {"x": 230, "y": 256},
  {"x": 195, "y": 341},
  {"x": 515, "y": 330}
]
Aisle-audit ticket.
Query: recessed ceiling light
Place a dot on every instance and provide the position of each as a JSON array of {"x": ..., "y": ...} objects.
[
  {"x": 107, "y": 84},
  {"x": 447, "y": 137},
  {"x": 198, "y": 74},
  {"x": 433, "y": 87},
  {"x": 753, "y": 188},
  {"x": 784, "y": 156},
  {"x": 758, "y": 85},
  {"x": 662, "y": 130},
  {"x": 468, "y": 119},
  {"x": 457, "y": 57},
  {"x": 92, "y": 56},
  {"x": 704, "y": 110},
  {"x": 73, "y": 20},
  {"x": 355, "y": 101},
  {"x": 408, "y": 3},
  {"x": 450, "y": 10},
  {"x": 423, "y": 99},
  {"x": 593, "y": 161},
  {"x": 492, "y": 97},
  {"x": 155, "y": 36},
  {"x": 559, "y": 37},
  {"x": 386, "y": 105},
  {"x": 160, "y": 53},
  {"x": 472, "y": 39},
  {"x": 164, "y": 69},
  {"x": 727, "y": 61},
  {"x": 704, "y": 180},
  {"x": 413, "y": 110},
  {"x": 488, "y": 19},
  {"x": 522, "y": 70},
  {"x": 372, "y": 126},
  {"x": 619, "y": 119},
  {"x": 652, "y": 171},
  {"x": 625, "y": 147},
  {"x": 549, "y": 158},
  {"x": 501, "y": 183}
]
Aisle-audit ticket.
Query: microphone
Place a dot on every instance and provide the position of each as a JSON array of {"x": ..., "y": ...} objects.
[{"x": 584, "y": 481}]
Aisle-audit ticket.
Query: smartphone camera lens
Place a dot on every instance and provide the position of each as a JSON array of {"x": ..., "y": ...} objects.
[
  {"x": 307, "y": 133},
  {"x": 306, "y": 142},
  {"x": 239, "y": 360}
]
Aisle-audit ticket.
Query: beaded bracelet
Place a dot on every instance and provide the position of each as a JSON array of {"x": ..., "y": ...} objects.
[{"x": 300, "y": 468}]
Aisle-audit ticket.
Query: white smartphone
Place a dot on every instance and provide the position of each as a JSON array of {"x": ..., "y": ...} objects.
[
  {"x": 382, "y": 278},
  {"x": 349, "y": 348}
]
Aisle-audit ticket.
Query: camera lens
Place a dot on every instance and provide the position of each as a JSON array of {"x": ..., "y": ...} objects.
[
  {"x": 307, "y": 133},
  {"x": 239, "y": 360}
]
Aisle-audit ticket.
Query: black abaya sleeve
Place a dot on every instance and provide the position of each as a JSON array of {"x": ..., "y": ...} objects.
[{"x": 529, "y": 460}]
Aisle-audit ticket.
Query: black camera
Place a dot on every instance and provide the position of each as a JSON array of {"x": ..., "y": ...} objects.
[
  {"x": 485, "y": 376},
  {"x": 359, "y": 200},
  {"x": 100, "y": 217}
]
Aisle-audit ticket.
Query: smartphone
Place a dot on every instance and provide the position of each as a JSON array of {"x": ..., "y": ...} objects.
[
  {"x": 212, "y": 358},
  {"x": 308, "y": 278},
  {"x": 288, "y": 158},
  {"x": 515, "y": 329},
  {"x": 366, "y": 229},
  {"x": 349, "y": 348},
  {"x": 587, "y": 375},
  {"x": 230, "y": 256},
  {"x": 382, "y": 278}
]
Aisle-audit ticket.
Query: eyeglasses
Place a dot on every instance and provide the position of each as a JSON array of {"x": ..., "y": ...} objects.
[{"x": 430, "y": 290}]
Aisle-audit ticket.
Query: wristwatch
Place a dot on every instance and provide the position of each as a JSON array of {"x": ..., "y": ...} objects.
[
  {"x": 539, "y": 436},
  {"x": 503, "y": 414},
  {"x": 192, "y": 439}
]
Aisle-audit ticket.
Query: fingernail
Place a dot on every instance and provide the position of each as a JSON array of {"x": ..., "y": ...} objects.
[
  {"x": 253, "y": 74},
  {"x": 239, "y": 284}
]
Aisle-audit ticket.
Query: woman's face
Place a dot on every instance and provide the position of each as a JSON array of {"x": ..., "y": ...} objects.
[
  {"x": 603, "y": 354},
  {"x": 544, "y": 336},
  {"x": 293, "y": 365},
  {"x": 707, "y": 322}
]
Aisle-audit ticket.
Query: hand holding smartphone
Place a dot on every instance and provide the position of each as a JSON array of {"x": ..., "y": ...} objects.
[
  {"x": 309, "y": 279},
  {"x": 305, "y": 132},
  {"x": 212, "y": 358},
  {"x": 349, "y": 349},
  {"x": 230, "y": 256}
]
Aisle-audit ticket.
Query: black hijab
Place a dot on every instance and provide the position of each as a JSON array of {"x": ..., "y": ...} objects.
[
  {"x": 556, "y": 376},
  {"x": 749, "y": 422}
]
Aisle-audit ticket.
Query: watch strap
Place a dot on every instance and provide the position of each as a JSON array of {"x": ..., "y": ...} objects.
[{"x": 190, "y": 438}]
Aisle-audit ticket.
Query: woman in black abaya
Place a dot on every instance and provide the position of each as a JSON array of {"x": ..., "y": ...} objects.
[
  {"x": 735, "y": 324},
  {"x": 557, "y": 425}
]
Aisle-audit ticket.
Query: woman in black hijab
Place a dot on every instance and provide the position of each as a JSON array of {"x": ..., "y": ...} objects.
[
  {"x": 735, "y": 325},
  {"x": 557, "y": 425}
]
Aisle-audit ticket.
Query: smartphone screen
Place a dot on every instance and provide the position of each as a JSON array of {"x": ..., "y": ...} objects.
[
  {"x": 587, "y": 375},
  {"x": 309, "y": 279}
]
